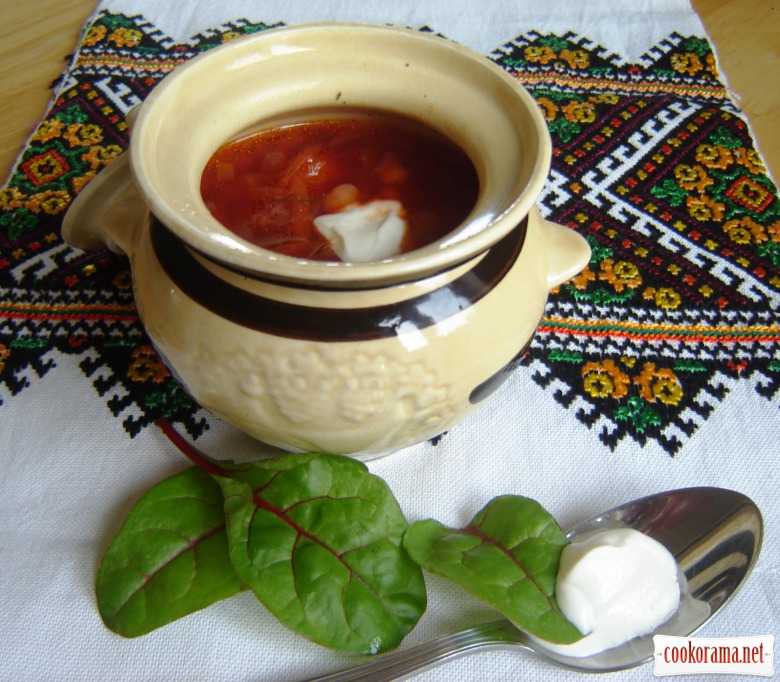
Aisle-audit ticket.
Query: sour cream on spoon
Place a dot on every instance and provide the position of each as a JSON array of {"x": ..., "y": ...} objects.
[{"x": 615, "y": 585}]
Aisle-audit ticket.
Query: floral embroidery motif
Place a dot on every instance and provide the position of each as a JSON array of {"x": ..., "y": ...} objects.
[{"x": 605, "y": 380}]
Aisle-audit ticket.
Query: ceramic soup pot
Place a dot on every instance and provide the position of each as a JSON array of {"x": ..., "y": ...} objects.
[{"x": 351, "y": 358}]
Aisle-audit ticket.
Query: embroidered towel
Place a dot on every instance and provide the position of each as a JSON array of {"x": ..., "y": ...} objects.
[{"x": 658, "y": 367}]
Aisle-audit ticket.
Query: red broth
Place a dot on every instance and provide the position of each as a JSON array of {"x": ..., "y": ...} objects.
[{"x": 269, "y": 186}]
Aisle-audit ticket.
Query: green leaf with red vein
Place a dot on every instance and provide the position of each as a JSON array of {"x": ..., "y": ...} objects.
[
  {"x": 507, "y": 556},
  {"x": 320, "y": 542},
  {"x": 169, "y": 558}
]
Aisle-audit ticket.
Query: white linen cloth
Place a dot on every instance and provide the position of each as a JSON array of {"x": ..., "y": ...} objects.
[{"x": 65, "y": 488}]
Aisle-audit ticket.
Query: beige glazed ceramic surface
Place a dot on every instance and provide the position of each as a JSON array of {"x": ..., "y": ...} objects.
[{"x": 352, "y": 358}]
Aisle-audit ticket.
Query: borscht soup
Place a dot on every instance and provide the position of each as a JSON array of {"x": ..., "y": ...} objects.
[{"x": 356, "y": 186}]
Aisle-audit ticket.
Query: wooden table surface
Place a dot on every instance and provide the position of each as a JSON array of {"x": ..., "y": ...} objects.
[{"x": 36, "y": 37}]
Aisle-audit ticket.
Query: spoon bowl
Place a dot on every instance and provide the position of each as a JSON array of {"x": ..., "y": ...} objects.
[{"x": 715, "y": 536}]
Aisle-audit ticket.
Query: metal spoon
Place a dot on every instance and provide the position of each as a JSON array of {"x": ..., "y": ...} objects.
[{"x": 714, "y": 534}]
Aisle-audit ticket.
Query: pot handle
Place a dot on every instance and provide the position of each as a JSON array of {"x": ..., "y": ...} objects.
[
  {"x": 567, "y": 253},
  {"x": 108, "y": 212}
]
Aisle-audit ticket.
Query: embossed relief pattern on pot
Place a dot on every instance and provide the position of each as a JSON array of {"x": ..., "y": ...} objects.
[
  {"x": 316, "y": 386},
  {"x": 322, "y": 386}
]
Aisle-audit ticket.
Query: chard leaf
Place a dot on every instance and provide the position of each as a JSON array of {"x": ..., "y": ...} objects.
[
  {"x": 169, "y": 558},
  {"x": 320, "y": 542},
  {"x": 508, "y": 557}
]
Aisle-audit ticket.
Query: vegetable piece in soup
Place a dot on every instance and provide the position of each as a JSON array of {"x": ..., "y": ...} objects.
[{"x": 354, "y": 189}]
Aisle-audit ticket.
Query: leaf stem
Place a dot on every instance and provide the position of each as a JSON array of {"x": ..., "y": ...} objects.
[{"x": 197, "y": 458}]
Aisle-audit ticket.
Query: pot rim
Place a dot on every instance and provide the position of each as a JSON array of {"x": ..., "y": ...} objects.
[{"x": 475, "y": 235}]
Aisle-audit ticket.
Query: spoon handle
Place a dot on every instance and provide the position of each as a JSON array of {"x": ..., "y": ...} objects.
[{"x": 399, "y": 665}]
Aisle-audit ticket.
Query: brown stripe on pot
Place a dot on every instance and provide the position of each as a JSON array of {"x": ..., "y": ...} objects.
[{"x": 294, "y": 321}]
